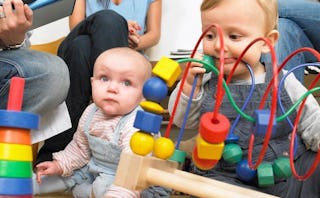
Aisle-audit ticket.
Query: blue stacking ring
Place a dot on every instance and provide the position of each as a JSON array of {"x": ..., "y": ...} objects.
[
  {"x": 15, "y": 186},
  {"x": 16, "y": 196},
  {"x": 19, "y": 119}
]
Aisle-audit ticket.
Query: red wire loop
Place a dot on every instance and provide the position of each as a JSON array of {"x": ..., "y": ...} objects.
[
  {"x": 273, "y": 105},
  {"x": 184, "y": 76},
  {"x": 274, "y": 82}
]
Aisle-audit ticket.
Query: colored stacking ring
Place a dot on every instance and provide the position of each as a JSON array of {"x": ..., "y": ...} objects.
[
  {"x": 19, "y": 119},
  {"x": 15, "y": 186},
  {"x": 15, "y": 152},
  {"x": 17, "y": 169},
  {"x": 15, "y": 136},
  {"x": 17, "y": 196}
]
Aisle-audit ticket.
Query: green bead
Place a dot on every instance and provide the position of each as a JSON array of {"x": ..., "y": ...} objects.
[
  {"x": 178, "y": 156},
  {"x": 232, "y": 153},
  {"x": 281, "y": 167},
  {"x": 265, "y": 175},
  {"x": 208, "y": 59}
]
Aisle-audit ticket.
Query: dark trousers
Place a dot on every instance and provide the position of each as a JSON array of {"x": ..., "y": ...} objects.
[{"x": 101, "y": 31}]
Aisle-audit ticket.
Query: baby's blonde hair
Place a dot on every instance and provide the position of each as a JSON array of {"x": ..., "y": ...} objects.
[
  {"x": 270, "y": 8},
  {"x": 138, "y": 60}
]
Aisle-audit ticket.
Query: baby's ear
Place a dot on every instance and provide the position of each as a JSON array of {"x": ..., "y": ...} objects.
[{"x": 273, "y": 37}]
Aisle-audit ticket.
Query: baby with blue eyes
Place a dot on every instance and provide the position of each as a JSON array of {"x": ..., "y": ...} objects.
[
  {"x": 104, "y": 130},
  {"x": 118, "y": 78}
]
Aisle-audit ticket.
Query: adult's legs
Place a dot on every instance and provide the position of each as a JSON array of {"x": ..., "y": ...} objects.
[
  {"x": 305, "y": 14},
  {"x": 106, "y": 29},
  {"x": 291, "y": 38},
  {"x": 46, "y": 79},
  {"x": 80, "y": 71}
]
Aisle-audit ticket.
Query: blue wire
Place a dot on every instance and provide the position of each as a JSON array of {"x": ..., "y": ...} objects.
[
  {"x": 231, "y": 137},
  {"x": 181, "y": 132}
]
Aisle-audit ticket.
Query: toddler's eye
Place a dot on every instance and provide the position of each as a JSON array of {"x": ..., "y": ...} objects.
[
  {"x": 209, "y": 36},
  {"x": 126, "y": 83},
  {"x": 104, "y": 78},
  {"x": 234, "y": 36}
]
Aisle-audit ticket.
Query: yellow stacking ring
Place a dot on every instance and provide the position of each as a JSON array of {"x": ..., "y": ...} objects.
[{"x": 15, "y": 152}]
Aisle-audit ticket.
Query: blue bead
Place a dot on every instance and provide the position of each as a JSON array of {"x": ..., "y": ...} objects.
[
  {"x": 262, "y": 117},
  {"x": 147, "y": 122},
  {"x": 155, "y": 89},
  {"x": 244, "y": 172}
]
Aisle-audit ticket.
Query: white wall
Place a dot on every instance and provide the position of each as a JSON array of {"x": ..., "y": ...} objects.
[{"x": 181, "y": 28}]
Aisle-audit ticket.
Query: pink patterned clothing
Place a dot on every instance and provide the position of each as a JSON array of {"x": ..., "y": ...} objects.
[{"x": 96, "y": 126}]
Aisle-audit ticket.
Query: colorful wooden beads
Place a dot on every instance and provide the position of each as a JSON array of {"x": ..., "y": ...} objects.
[
  {"x": 141, "y": 143},
  {"x": 168, "y": 70},
  {"x": 262, "y": 117},
  {"x": 15, "y": 145},
  {"x": 149, "y": 121},
  {"x": 210, "y": 142}
]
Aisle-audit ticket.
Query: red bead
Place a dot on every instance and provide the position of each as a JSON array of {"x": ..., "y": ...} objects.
[{"x": 214, "y": 131}]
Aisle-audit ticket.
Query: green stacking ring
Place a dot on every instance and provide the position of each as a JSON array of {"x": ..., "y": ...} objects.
[{"x": 16, "y": 169}]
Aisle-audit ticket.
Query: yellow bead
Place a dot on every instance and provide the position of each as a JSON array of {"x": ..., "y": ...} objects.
[
  {"x": 152, "y": 107},
  {"x": 208, "y": 150},
  {"x": 168, "y": 70},
  {"x": 163, "y": 148},
  {"x": 141, "y": 143}
]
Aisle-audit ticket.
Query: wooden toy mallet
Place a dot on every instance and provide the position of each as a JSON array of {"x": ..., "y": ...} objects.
[{"x": 148, "y": 171}]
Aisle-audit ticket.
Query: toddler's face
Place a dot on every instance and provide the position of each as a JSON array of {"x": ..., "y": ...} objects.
[
  {"x": 117, "y": 85},
  {"x": 241, "y": 22}
]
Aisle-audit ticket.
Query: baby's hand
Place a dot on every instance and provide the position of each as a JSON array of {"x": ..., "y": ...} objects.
[
  {"x": 48, "y": 168},
  {"x": 195, "y": 69}
]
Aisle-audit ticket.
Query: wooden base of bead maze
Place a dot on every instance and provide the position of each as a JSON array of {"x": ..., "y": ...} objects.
[{"x": 137, "y": 172}]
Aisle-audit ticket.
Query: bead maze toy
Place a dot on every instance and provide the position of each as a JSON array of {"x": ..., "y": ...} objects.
[
  {"x": 216, "y": 139},
  {"x": 15, "y": 145},
  {"x": 148, "y": 170}
]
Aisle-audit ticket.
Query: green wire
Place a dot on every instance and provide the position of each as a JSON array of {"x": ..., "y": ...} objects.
[
  {"x": 210, "y": 67},
  {"x": 311, "y": 91}
]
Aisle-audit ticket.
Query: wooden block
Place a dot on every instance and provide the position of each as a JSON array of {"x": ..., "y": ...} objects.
[{"x": 134, "y": 176}]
